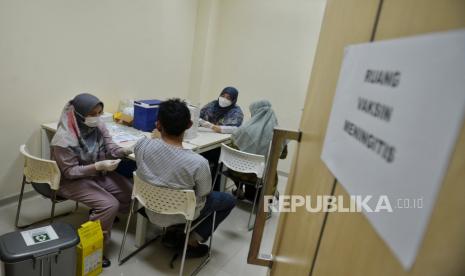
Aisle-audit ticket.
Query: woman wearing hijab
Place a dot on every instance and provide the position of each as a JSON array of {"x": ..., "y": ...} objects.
[
  {"x": 256, "y": 134},
  {"x": 255, "y": 137},
  {"x": 87, "y": 158},
  {"x": 222, "y": 115}
]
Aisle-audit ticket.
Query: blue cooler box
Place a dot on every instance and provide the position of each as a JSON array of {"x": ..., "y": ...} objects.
[{"x": 145, "y": 114}]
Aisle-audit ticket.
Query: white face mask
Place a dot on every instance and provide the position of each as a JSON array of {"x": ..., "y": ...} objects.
[
  {"x": 92, "y": 121},
  {"x": 223, "y": 102}
]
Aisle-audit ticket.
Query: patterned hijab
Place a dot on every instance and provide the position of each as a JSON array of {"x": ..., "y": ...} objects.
[
  {"x": 256, "y": 134},
  {"x": 225, "y": 116},
  {"x": 73, "y": 133}
]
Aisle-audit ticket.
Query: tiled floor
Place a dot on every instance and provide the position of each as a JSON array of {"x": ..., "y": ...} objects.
[{"x": 230, "y": 243}]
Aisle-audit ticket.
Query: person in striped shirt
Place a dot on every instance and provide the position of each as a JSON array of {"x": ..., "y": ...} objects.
[{"x": 164, "y": 162}]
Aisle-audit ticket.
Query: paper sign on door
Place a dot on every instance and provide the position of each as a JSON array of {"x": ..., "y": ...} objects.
[{"x": 398, "y": 108}]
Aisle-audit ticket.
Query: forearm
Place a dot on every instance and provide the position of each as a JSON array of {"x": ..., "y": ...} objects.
[
  {"x": 77, "y": 172},
  {"x": 224, "y": 129},
  {"x": 69, "y": 164},
  {"x": 112, "y": 150}
]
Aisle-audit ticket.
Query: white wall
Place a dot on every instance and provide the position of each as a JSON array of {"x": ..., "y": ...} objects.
[
  {"x": 52, "y": 49},
  {"x": 265, "y": 48}
]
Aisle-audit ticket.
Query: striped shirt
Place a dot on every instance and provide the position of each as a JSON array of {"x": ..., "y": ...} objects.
[{"x": 166, "y": 165}]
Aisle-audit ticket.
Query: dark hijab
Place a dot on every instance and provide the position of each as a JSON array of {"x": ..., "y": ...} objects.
[
  {"x": 229, "y": 116},
  {"x": 83, "y": 104}
]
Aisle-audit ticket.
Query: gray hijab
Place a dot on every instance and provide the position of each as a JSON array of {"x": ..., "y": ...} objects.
[
  {"x": 74, "y": 134},
  {"x": 84, "y": 103},
  {"x": 255, "y": 135}
]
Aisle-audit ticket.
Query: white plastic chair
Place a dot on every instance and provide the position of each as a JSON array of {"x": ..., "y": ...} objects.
[
  {"x": 242, "y": 162},
  {"x": 168, "y": 202},
  {"x": 44, "y": 176}
]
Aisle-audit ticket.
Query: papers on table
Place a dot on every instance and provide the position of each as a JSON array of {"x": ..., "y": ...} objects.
[
  {"x": 125, "y": 137},
  {"x": 205, "y": 129}
]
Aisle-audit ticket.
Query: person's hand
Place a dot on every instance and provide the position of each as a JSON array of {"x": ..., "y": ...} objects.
[
  {"x": 216, "y": 128},
  {"x": 107, "y": 165},
  {"x": 127, "y": 150},
  {"x": 206, "y": 124}
]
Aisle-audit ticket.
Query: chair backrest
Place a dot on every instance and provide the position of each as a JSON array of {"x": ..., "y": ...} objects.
[
  {"x": 164, "y": 200},
  {"x": 38, "y": 170},
  {"x": 241, "y": 161}
]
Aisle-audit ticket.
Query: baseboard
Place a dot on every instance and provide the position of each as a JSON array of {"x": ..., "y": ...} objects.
[
  {"x": 14, "y": 198},
  {"x": 283, "y": 173}
]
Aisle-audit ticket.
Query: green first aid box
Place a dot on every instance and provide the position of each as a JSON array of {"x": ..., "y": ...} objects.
[{"x": 48, "y": 250}]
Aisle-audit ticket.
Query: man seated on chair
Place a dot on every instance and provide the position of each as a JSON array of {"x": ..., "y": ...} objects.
[{"x": 165, "y": 163}]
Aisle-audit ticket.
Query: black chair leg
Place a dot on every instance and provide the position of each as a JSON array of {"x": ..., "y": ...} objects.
[
  {"x": 54, "y": 198},
  {"x": 50, "y": 219},
  {"x": 19, "y": 203},
  {"x": 257, "y": 188},
  {"x": 217, "y": 174}
]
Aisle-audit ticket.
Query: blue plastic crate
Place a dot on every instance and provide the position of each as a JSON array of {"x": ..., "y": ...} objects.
[{"x": 145, "y": 114}]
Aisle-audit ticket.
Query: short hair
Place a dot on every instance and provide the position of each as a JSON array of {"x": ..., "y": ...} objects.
[{"x": 174, "y": 116}]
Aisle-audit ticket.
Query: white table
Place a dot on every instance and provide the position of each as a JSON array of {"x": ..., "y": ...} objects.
[{"x": 204, "y": 141}]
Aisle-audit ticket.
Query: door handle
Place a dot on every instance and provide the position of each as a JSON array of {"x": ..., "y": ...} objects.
[{"x": 279, "y": 137}]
